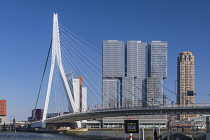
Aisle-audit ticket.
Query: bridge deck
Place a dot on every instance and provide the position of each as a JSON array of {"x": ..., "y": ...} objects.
[{"x": 127, "y": 112}]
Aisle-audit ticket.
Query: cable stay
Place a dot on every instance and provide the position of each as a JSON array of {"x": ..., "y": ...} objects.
[{"x": 84, "y": 59}]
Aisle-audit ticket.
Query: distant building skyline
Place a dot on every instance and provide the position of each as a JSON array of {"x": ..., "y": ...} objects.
[{"x": 79, "y": 92}]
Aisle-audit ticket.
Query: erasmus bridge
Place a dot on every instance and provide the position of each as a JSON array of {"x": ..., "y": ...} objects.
[{"x": 70, "y": 53}]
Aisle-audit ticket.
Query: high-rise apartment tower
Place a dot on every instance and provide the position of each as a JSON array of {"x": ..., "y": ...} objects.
[{"x": 185, "y": 81}]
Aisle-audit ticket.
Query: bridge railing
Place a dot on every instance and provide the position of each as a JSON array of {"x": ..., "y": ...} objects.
[
  {"x": 203, "y": 105},
  {"x": 152, "y": 107}
]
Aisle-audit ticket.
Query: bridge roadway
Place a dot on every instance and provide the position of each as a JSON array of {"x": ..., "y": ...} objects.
[{"x": 100, "y": 113}]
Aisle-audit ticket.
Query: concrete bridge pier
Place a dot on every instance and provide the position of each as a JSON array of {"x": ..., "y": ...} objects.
[
  {"x": 208, "y": 128},
  {"x": 55, "y": 126},
  {"x": 75, "y": 125}
]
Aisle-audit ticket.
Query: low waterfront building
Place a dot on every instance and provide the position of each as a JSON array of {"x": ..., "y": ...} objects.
[
  {"x": 36, "y": 115},
  {"x": 146, "y": 121},
  {"x": 93, "y": 124},
  {"x": 198, "y": 122}
]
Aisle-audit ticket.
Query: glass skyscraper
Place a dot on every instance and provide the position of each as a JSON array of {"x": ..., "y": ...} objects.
[
  {"x": 113, "y": 56},
  {"x": 136, "y": 58},
  {"x": 124, "y": 73},
  {"x": 157, "y": 71},
  {"x": 128, "y": 91},
  {"x": 154, "y": 91},
  {"x": 133, "y": 85},
  {"x": 157, "y": 54},
  {"x": 110, "y": 90},
  {"x": 133, "y": 74}
]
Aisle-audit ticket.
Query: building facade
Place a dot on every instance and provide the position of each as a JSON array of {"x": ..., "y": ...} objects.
[
  {"x": 76, "y": 94},
  {"x": 133, "y": 84},
  {"x": 133, "y": 73},
  {"x": 157, "y": 72},
  {"x": 145, "y": 121},
  {"x": 185, "y": 81},
  {"x": 110, "y": 90},
  {"x": 113, "y": 59},
  {"x": 3, "y": 111},
  {"x": 37, "y": 115},
  {"x": 154, "y": 91},
  {"x": 157, "y": 57},
  {"x": 128, "y": 92},
  {"x": 136, "y": 59},
  {"x": 113, "y": 69},
  {"x": 79, "y": 92},
  {"x": 84, "y": 99},
  {"x": 124, "y": 73}
]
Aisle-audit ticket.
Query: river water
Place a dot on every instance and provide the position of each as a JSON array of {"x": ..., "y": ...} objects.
[{"x": 91, "y": 135}]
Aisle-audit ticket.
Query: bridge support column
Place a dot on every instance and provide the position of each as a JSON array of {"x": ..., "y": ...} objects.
[
  {"x": 143, "y": 133},
  {"x": 208, "y": 128},
  {"x": 75, "y": 125},
  {"x": 79, "y": 125},
  {"x": 44, "y": 124},
  {"x": 169, "y": 129}
]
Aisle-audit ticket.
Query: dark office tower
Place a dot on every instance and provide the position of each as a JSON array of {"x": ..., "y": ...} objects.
[
  {"x": 113, "y": 70},
  {"x": 133, "y": 85},
  {"x": 185, "y": 81},
  {"x": 157, "y": 71}
]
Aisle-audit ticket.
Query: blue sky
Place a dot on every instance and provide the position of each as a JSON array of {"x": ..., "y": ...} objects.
[{"x": 26, "y": 28}]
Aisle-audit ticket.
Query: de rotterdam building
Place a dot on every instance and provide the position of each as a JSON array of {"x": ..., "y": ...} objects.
[{"x": 133, "y": 73}]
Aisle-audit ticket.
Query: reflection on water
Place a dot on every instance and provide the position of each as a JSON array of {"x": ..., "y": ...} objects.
[
  {"x": 29, "y": 135},
  {"x": 44, "y": 136}
]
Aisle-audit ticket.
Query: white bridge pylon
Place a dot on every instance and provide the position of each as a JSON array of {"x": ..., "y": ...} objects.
[{"x": 56, "y": 60}]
